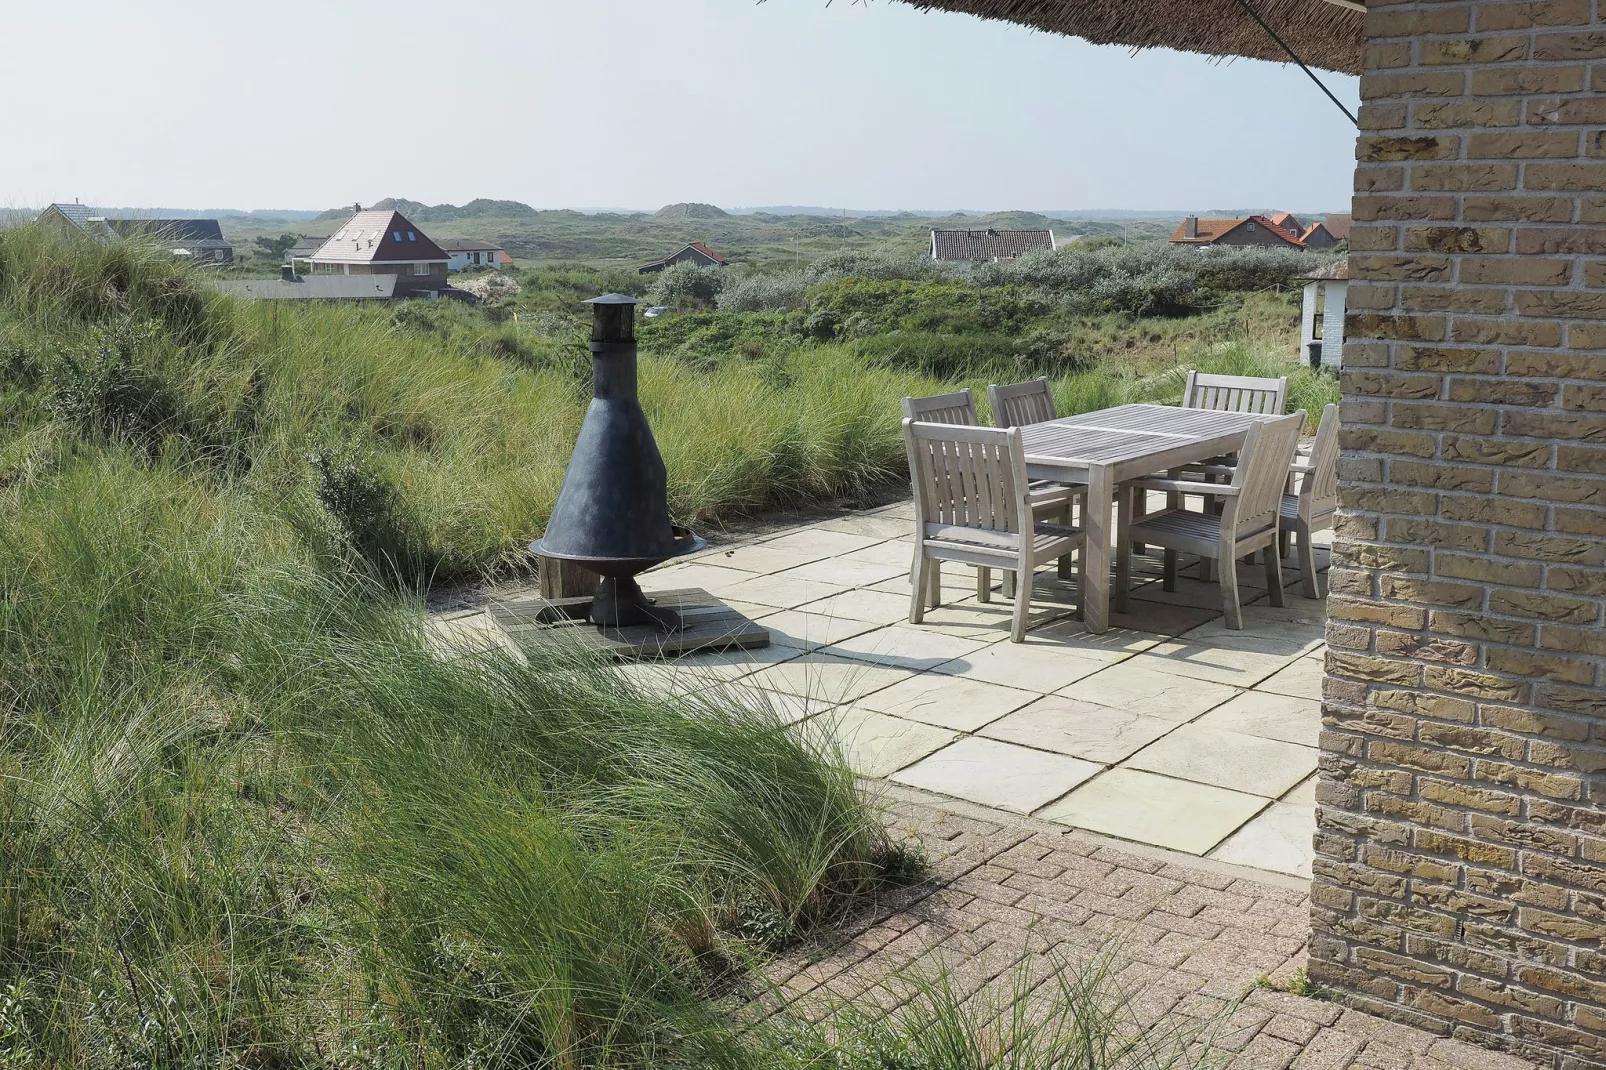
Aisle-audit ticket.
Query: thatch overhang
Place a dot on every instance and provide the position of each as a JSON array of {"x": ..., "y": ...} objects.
[{"x": 1329, "y": 34}]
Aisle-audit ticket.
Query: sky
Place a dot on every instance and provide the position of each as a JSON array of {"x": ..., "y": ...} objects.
[{"x": 873, "y": 104}]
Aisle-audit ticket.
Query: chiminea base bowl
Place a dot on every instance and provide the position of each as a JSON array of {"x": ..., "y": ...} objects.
[{"x": 619, "y": 601}]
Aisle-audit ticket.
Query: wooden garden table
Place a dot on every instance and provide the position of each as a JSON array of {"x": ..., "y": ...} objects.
[{"x": 1110, "y": 446}]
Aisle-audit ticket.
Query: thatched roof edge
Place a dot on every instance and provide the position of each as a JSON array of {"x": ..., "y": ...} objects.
[{"x": 1324, "y": 33}]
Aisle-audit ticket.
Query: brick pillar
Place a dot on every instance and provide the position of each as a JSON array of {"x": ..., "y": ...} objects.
[{"x": 1460, "y": 879}]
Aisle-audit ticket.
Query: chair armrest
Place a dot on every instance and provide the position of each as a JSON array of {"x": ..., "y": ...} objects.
[
  {"x": 1210, "y": 469},
  {"x": 1184, "y": 486}
]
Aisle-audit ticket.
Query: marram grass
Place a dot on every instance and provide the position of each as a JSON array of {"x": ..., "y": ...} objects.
[{"x": 248, "y": 818}]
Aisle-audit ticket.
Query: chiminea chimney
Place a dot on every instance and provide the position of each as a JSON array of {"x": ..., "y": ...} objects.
[
  {"x": 612, "y": 515},
  {"x": 1190, "y": 227}
]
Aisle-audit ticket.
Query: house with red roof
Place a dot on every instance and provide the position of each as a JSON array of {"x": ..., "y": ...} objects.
[
  {"x": 691, "y": 253},
  {"x": 384, "y": 242},
  {"x": 1255, "y": 230},
  {"x": 1329, "y": 232},
  {"x": 1286, "y": 221}
]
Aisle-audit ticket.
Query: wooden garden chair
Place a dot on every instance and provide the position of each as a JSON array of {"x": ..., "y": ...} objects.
[
  {"x": 1250, "y": 518},
  {"x": 1235, "y": 393},
  {"x": 1228, "y": 393},
  {"x": 1032, "y": 402},
  {"x": 1050, "y": 501},
  {"x": 973, "y": 504},
  {"x": 1017, "y": 404},
  {"x": 956, "y": 408},
  {"x": 1312, "y": 507}
]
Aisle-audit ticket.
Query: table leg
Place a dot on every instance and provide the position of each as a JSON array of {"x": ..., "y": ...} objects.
[
  {"x": 1096, "y": 554},
  {"x": 1123, "y": 546}
]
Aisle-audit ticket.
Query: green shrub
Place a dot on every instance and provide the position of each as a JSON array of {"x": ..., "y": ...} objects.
[{"x": 687, "y": 287}]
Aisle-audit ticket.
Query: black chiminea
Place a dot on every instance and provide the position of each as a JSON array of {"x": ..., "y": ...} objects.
[{"x": 612, "y": 515}]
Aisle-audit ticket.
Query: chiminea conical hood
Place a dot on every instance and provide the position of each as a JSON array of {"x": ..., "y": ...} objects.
[{"x": 613, "y": 511}]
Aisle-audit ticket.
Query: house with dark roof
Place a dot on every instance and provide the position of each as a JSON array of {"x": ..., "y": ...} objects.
[
  {"x": 199, "y": 240},
  {"x": 384, "y": 242},
  {"x": 987, "y": 246},
  {"x": 1329, "y": 232},
  {"x": 471, "y": 252},
  {"x": 303, "y": 249},
  {"x": 691, "y": 253},
  {"x": 1255, "y": 230}
]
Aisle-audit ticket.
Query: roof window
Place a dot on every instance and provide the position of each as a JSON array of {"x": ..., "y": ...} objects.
[
  {"x": 397, "y": 233},
  {"x": 410, "y": 236}
]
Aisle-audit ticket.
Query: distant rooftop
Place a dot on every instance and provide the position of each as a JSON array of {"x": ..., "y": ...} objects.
[{"x": 983, "y": 245}]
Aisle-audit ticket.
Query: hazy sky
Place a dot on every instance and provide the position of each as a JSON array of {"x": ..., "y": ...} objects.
[{"x": 638, "y": 103}]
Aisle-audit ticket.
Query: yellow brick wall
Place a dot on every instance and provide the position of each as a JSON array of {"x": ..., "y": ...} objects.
[{"x": 1460, "y": 879}]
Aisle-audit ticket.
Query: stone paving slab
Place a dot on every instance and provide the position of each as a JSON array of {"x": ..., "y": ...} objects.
[{"x": 1168, "y": 730}]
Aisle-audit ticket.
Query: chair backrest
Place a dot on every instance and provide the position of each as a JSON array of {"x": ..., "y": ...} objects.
[
  {"x": 1018, "y": 404},
  {"x": 1262, "y": 473},
  {"x": 1235, "y": 393},
  {"x": 970, "y": 477},
  {"x": 955, "y": 408},
  {"x": 1318, "y": 493}
]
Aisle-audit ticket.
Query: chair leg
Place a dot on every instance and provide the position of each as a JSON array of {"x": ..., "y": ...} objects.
[
  {"x": 1006, "y": 582},
  {"x": 1274, "y": 574},
  {"x": 1081, "y": 580},
  {"x": 984, "y": 583},
  {"x": 1284, "y": 539},
  {"x": 918, "y": 582},
  {"x": 1168, "y": 578},
  {"x": 1309, "y": 583},
  {"x": 1065, "y": 568},
  {"x": 1023, "y": 608},
  {"x": 1208, "y": 567},
  {"x": 934, "y": 585},
  {"x": 1229, "y": 594},
  {"x": 1140, "y": 507}
]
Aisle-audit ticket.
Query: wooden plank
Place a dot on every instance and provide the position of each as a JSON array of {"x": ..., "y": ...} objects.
[
  {"x": 565, "y": 579},
  {"x": 709, "y": 625}
]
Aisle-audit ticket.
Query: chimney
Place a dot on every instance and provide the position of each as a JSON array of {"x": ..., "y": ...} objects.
[
  {"x": 1190, "y": 227},
  {"x": 356, "y": 207},
  {"x": 287, "y": 273}
]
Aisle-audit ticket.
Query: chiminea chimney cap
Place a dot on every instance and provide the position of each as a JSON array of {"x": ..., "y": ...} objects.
[{"x": 613, "y": 299}]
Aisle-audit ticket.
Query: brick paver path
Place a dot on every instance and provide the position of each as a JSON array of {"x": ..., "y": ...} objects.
[{"x": 1007, "y": 893}]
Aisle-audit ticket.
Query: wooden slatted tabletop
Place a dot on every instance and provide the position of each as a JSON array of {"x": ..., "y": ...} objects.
[{"x": 1110, "y": 446}]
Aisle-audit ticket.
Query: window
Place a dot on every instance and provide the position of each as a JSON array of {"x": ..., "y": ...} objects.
[
  {"x": 1251, "y": 226},
  {"x": 420, "y": 269},
  {"x": 396, "y": 234},
  {"x": 411, "y": 236}
]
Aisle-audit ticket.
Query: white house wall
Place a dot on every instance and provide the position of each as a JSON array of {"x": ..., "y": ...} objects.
[{"x": 1333, "y": 324}]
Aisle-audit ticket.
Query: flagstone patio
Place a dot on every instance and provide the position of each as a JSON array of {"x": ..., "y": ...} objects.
[{"x": 1169, "y": 730}]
